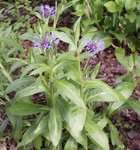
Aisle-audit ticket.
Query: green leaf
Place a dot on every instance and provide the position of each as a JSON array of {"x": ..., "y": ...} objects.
[
  {"x": 120, "y": 2},
  {"x": 73, "y": 73},
  {"x": 16, "y": 63},
  {"x": 76, "y": 120},
  {"x": 81, "y": 138},
  {"x": 76, "y": 30},
  {"x": 71, "y": 144},
  {"x": 69, "y": 91},
  {"x": 111, "y": 6},
  {"x": 105, "y": 37},
  {"x": 17, "y": 128},
  {"x": 12, "y": 42},
  {"x": 95, "y": 71},
  {"x": 115, "y": 137},
  {"x": 29, "y": 91},
  {"x": 66, "y": 38},
  {"x": 108, "y": 94},
  {"x": 102, "y": 123},
  {"x": 38, "y": 15},
  {"x": 135, "y": 105},
  {"x": 3, "y": 126},
  {"x": 55, "y": 126},
  {"x": 23, "y": 109},
  {"x": 96, "y": 134},
  {"x": 138, "y": 22},
  {"x": 130, "y": 4},
  {"x": 27, "y": 36},
  {"x": 137, "y": 60},
  {"x": 5, "y": 73},
  {"x": 131, "y": 16},
  {"x": 40, "y": 69},
  {"x": 128, "y": 62},
  {"x": 119, "y": 36},
  {"x": 125, "y": 89},
  {"x": 38, "y": 143},
  {"x": 17, "y": 84},
  {"x": 64, "y": 108},
  {"x": 35, "y": 68},
  {"x": 33, "y": 132}
]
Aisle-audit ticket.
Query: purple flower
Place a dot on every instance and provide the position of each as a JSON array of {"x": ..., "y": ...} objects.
[
  {"x": 46, "y": 42},
  {"x": 52, "y": 11},
  {"x": 41, "y": 9},
  {"x": 47, "y": 11},
  {"x": 96, "y": 45}
]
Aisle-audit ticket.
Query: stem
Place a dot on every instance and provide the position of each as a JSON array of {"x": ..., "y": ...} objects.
[
  {"x": 80, "y": 72},
  {"x": 86, "y": 63},
  {"x": 55, "y": 17},
  {"x": 88, "y": 5},
  {"x": 91, "y": 12}
]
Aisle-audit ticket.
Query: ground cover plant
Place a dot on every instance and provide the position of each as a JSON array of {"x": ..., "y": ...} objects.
[{"x": 78, "y": 107}]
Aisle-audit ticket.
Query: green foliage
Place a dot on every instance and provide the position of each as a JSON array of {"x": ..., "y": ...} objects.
[
  {"x": 119, "y": 18},
  {"x": 68, "y": 120}
]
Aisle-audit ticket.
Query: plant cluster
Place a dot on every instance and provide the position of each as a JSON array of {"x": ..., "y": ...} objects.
[
  {"x": 119, "y": 18},
  {"x": 68, "y": 120}
]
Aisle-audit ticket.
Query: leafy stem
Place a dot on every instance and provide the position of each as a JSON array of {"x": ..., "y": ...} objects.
[{"x": 80, "y": 72}]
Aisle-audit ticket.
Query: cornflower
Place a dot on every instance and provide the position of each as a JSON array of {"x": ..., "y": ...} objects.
[
  {"x": 93, "y": 45},
  {"x": 48, "y": 42},
  {"x": 47, "y": 11}
]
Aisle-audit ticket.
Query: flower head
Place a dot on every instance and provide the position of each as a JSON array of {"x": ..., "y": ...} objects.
[
  {"x": 41, "y": 9},
  {"x": 46, "y": 42},
  {"x": 94, "y": 46},
  {"x": 47, "y": 11}
]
